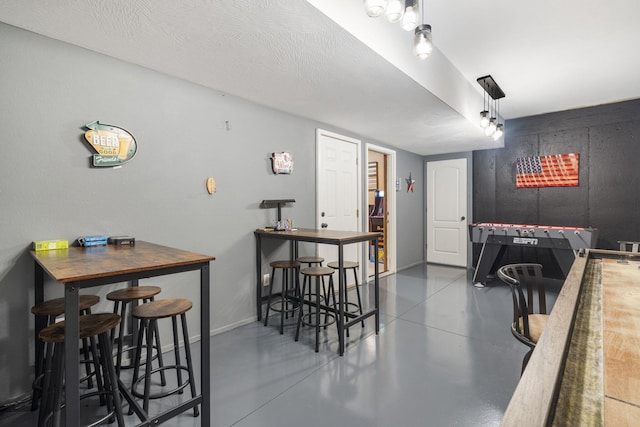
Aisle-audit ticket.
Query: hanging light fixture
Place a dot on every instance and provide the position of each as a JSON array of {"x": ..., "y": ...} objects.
[
  {"x": 410, "y": 17},
  {"x": 407, "y": 12},
  {"x": 484, "y": 114},
  {"x": 375, "y": 8},
  {"x": 489, "y": 117},
  {"x": 394, "y": 10},
  {"x": 422, "y": 43}
]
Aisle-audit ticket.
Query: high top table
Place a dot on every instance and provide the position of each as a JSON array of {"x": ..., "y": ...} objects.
[
  {"x": 85, "y": 267},
  {"x": 327, "y": 237}
]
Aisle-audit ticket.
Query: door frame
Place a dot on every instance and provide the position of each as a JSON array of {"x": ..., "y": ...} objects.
[
  {"x": 360, "y": 254},
  {"x": 469, "y": 157},
  {"x": 390, "y": 207}
]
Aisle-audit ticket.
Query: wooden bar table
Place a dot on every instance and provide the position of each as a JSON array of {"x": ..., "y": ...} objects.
[
  {"x": 327, "y": 237},
  {"x": 84, "y": 267}
]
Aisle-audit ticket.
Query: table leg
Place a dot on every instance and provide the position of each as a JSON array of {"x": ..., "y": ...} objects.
[
  {"x": 40, "y": 323},
  {"x": 259, "y": 277},
  {"x": 71, "y": 362},
  {"x": 341, "y": 292},
  {"x": 205, "y": 363}
]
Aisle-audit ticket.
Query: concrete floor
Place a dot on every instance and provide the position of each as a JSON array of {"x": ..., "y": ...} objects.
[{"x": 445, "y": 356}]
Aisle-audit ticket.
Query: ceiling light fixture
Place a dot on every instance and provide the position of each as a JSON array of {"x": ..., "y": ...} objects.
[
  {"x": 407, "y": 12},
  {"x": 375, "y": 8},
  {"x": 489, "y": 117},
  {"x": 394, "y": 10},
  {"x": 410, "y": 17}
]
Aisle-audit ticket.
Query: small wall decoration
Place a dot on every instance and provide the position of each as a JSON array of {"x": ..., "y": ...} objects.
[
  {"x": 211, "y": 185},
  {"x": 372, "y": 176},
  {"x": 557, "y": 170},
  {"x": 410, "y": 182},
  {"x": 114, "y": 145},
  {"x": 282, "y": 163}
]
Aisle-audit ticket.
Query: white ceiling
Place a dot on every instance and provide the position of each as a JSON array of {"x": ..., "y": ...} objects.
[{"x": 326, "y": 60}]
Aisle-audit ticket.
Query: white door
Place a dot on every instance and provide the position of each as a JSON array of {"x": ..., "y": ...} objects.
[
  {"x": 447, "y": 234},
  {"x": 337, "y": 191}
]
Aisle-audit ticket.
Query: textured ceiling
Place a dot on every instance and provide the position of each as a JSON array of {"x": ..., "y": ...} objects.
[{"x": 325, "y": 60}]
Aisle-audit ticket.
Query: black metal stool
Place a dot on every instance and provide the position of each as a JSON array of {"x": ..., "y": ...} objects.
[
  {"x": 90, "y": 325},
  {"x": 148, "y": 314},
  {"x": 350, "y": 307},
  {"x": 122, "y": 298},
  {"x": 314, "y": 316},
  {"x": 51, "y": 309},
  {"x": 285, "y": 305}
]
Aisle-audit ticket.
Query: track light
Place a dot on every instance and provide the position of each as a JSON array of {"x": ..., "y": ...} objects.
[
  {"x": 394, "y": 10},
  {"x": 410, "y": 17},
  {"x": 375, "y": 8},
  {"x": 422, "y": 45},
  {"x": 407, "y": 12}
]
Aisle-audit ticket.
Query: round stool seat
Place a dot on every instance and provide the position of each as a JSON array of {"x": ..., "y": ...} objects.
[
  {"x": 159, "y": 309},
  {"x": 310, "y": 259},
  {"x": 317, "y": 271},
  {"x": 55, "y": 307},
  {"x": 90, "y": 325},
  {"x": 345, "y": 264},
  {"x": 285, "y": 264},
  {"x": 133, "y": 293}
]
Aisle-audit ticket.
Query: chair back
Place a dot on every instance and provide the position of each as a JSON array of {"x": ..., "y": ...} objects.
[
  {"x": 526, "y": 283},
  {"x": 627, "y": 246}
]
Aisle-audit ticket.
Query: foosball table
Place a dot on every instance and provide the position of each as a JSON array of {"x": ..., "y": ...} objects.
[{"x": 564, "y": 243}]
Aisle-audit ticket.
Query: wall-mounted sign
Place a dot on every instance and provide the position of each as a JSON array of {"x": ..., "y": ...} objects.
[
  {"x": 114, "y": 145},
  {"x": 282, "y": 163},
  {"x": 557, "y": 170}
]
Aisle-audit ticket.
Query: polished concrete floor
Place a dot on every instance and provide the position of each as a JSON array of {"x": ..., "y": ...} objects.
[{"x": 444, "y": 356}]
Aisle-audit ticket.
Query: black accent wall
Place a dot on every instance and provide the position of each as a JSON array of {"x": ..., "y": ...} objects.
[{"x": 607, "y": 137}]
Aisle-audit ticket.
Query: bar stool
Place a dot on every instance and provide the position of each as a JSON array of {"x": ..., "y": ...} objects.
[
  {"x": 126, "y": 296},
  {"x": 350, "y": 307},
  {"x": 90, "y": 325},
  {"x": 149, "y": 314},
  {"x": 314, "y": 316},
  {"x": 51, "y": 309},
  {"x": 314, "y": 261},
  {"x": 283, "y": 306}
]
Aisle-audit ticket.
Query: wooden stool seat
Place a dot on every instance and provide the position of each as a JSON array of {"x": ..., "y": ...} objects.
[
  {"x": 162, "y": 308},
  {"x": 285, "y": 264},
  {"x": 310, "y": 260},
  {"x": 345, "y": 264},
  {"x": 55, "y": 307},
  {"x": 133, "y": 293},
  {"x": 317, "y": 271},
  {"x": 91, "y": 325}
]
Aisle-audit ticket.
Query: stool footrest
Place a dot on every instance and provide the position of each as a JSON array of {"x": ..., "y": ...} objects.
[{"x": 164, "y": 394}]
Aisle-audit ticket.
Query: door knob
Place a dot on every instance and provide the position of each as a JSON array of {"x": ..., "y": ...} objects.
[
  {"x": 324, "y": 225},
  {"x": 462, "y": 219}
]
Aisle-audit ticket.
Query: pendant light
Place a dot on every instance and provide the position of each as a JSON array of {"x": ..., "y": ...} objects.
[
  {"x": 489, "y": 119},
  {"x": 410, "y": 18},
  {"x": 375, "y": 8},
  {"x": 422, "y": 43},
  {"x": 394, "y": 10}
]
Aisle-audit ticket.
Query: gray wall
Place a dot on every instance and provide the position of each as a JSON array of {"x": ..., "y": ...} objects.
[
  {"x": 605, "y": 136},
  {"x": 50, "y": 90}
]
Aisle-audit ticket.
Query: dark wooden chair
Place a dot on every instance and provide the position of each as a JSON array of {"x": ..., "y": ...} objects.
[{"x": 527, "y": 285}]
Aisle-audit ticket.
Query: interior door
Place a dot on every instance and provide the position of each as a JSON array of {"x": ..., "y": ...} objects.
[
  {"x": 446, "y": 212},
  {"x": 338, "y": 191}
]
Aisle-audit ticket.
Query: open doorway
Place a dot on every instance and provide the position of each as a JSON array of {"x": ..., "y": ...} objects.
[{"x": 381, "y": 206}]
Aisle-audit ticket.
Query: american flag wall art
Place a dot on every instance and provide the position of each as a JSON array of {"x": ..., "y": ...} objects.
[{"x": 557, "y": 170}]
